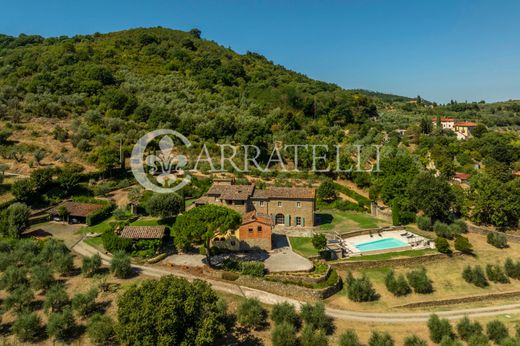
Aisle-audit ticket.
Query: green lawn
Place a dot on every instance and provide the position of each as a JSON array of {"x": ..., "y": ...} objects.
[
  {"x": 100, "y": 227},
  {"x": 303, "y": 246},
  {"x": 343, "y": 221},
  {"x": 153, "y": 222},
  {"x": 95, "y": 242}
]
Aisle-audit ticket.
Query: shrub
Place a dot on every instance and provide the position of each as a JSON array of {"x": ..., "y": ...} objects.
[
  {"x": 113, "y": 243},
  {"x": 120, "y": 265},
  {"x": 439, "y": 328},
  {"x": 253, "y": 268},
  {"x": 442, "y": 230},
  {"x": 414, "y": 340},
  {"x": 380, "y": 339},
  {"x": 495, "y": 274},
  {"x": 419, "y": 281},
  {"x": 284, "y": 334},
  {"x": 327, "y": 191},
  {"x": 41, "y": 277},
  {"x": 349, "y": 338},
  {"x": 361, "y": 290},
  {"x": 85, "y": 303},
  {"x": 19, "y": 299},
  {"x": 250, "y": 313},
  {"x": 466, "y": 328},
  {"x": 450, "y": 341},
  {"x": 463, "y": 245},
  {"x": 313, "y": 337},
  {"x": 13, "y": 277},
  {"x": 314, "y": 316},
  {"x": 91, "y": 265},
  {"x": 398, "y": 286},
  {"x": 319, "y": 241},
  {"x": 100, "y": 329},
  {"x": 475, "y": 276},
  {"x": 284, "y": 313},
  {"x": 27, "y": 327},
  {"x": 461, "y": 226},
  {"x": 230, "y": 276},
  {"x": 442, "y": 245},
  {"x": 512, "y": 269},
  {"x": 496, "y": 331},
  {"x": 498, "y": 240},
  {"x": 63, "y": 263},
  {"x": 61, "y": 325},
  {"x": 479, "y": 340},
  {"x": 56, "y": 299},
  {"x": 424, "y": 223}
]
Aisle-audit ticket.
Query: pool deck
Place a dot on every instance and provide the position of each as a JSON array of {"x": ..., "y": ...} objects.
[{"x": 413, "y": 241}]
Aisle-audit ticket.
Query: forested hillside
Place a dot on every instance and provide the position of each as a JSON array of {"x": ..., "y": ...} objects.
[{"x": 80, "y": 99}]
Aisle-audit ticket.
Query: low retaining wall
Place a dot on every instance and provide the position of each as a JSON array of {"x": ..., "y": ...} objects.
[
  {"x": 371, "y": 230},
  {"x": 393, "y": 262},
  {"x": 462, "y": 300},
  {"x": 304, "y": 278},
  {"x": 291, "y": 290},
  {"x": 483, "y": 231}
]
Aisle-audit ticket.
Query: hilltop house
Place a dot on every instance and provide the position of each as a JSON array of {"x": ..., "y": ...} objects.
[
  {"x": 464, "y": 129},
  {"x": 446, "y": 123},
  {"x": 261, "y": 211}
]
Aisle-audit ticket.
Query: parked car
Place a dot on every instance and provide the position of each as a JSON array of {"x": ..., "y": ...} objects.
[
  {"x": 73, "y": 220},
  {"x": 56, "y": 218}
]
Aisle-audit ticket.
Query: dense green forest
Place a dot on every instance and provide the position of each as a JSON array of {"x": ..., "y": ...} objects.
[{"x": 104, "y": 90}]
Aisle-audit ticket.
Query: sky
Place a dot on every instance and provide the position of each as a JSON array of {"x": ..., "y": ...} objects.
[{"x": 442, "y": 50}]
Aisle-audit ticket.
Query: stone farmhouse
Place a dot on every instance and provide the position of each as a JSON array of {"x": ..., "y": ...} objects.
[{"x": 261, "y": 211}]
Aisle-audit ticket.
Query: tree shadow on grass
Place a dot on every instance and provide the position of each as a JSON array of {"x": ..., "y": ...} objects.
[
  {"x": 238, "y": 336},
  {"x": 324, "y": 219}
]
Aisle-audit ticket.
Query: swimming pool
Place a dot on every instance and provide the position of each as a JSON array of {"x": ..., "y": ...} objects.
[{"x": 381, "y": 244}]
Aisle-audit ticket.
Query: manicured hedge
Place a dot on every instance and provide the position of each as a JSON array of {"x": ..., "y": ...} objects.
[{"x": 100, "y": 215}]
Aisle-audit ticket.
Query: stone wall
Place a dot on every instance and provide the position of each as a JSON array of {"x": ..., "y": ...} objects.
[
  {"x": 462, "y": 300},
  {"x": 381, "y": 212},
  {"x": 484, "y": 231},
  {"x": 393, "y": 262},
  {"x": 303, "y": 277}
]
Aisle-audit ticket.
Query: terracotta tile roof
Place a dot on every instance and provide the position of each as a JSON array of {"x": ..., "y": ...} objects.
[
  {"x": 231, "y": 192},
  {"x": 255, "y": 216},
  {"x": 77, "y": 209},
  {"x": 143, "y": 232},
  {"x": 285, "y": 193},
  {"x": 516, "y": 173},
  {"x": 466, "y": 124},
  {"x": 462, "y": 176}
]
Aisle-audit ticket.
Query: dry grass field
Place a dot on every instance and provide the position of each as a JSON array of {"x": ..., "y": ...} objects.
[{"x": 446, "y": 276}]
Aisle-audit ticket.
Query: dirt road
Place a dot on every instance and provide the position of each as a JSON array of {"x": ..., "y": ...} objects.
[{"x": 269, "y": 298}]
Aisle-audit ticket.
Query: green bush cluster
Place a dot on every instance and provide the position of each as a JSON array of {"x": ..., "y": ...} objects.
[
  {"x": 398, "y": 286},
  {"x": 424, "y": 223},
  {"x": 360, "y": 289},
  {"x": 498, "y": 240},
  {"x": 100, "y": 214},
  {"x": 475, "y": 275},
  {"x": 512, "y": 269},
  {"x": 252, "y": 268},
  {"x": 495, "y": 273},
  {"x": 420, "y": 281}
]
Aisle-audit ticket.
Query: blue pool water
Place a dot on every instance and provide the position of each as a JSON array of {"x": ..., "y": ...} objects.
[{"x": 381, "y": 244}]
